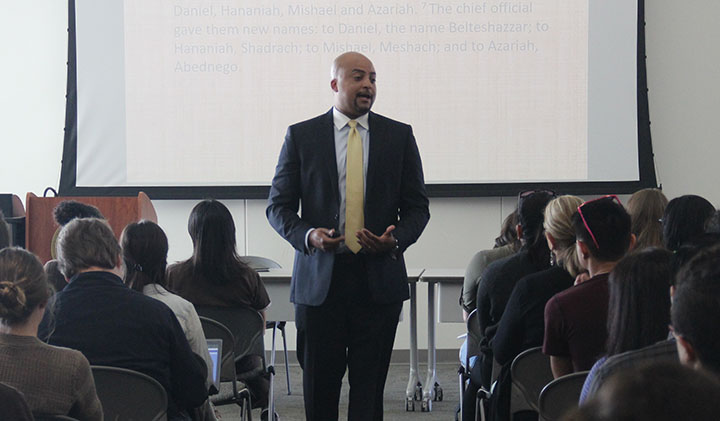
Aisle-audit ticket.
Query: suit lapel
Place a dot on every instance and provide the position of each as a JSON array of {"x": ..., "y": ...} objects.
[
  {"x": 377, "y": 134},
  {"x": 327, "y": 136}
]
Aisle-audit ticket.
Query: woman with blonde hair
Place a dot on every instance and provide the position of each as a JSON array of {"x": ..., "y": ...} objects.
[
  {"x": 646, "y": 208},
  {"x": 54, "y": 380}
]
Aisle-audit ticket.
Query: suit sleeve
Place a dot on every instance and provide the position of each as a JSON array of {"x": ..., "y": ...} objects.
[
  {"x": 414, "y": 209},
  {"x": 285, "y": 194}
]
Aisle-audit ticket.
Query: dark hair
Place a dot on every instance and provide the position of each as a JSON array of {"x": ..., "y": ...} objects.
[
  {"x": 657, "y": 392},
  {"x": 68, "y": 210},
  {"x": 696, "y": 306},
  {"x": 610, "y": 224},
  {"x": 691, "y": 248},
  {"x": 713, "y": 223},
  {"x": 144, "y": 249},
  {"x": 685, "y": 218},
  {"x": 84, "y": 243},
  {"x": 639, "y": 304},
  {"x": 215, "y": 257},
  {"x": 4, "y": 232},
  {"x": 646, "y": 208},
  {"x": 508, "y": 233},
  {"x": 23, "y": 285},
  {"x": 530, "y": 217}
]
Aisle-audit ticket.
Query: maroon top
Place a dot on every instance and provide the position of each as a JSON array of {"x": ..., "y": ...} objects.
[
  {"x": 248, "y": 291},
  {"x": 575, "y": 323}
]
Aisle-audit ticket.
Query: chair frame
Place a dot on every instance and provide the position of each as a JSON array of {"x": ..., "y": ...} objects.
[
  {"x": 575, "y": 380},
  {"x": 241, "y": 397},
  {"x": 530, "y": 393},
  {"x": 99, "y": 370}
]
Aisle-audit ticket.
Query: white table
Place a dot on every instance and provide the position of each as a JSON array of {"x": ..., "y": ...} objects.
[{"x": 449, "y": 282}]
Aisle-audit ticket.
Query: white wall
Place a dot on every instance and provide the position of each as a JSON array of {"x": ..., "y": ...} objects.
[{"x": 683, "y": 76}]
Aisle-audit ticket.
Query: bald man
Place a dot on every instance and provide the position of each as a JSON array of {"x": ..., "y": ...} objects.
[{"x": 348, "y": 168}]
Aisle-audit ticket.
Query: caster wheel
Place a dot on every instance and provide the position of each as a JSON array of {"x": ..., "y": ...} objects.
[
  {"x": 438, "y": 393},
  {"x": 409, "y": 405},
  {"x": 426, "y": 405}
]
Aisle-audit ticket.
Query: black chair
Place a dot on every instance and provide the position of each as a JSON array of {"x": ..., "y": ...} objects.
[
  {"x": 241, "y": 397},
  {"x": 263, "y": 264},
  {"x": 530, "y": 372},
  {"x": 127, "y": 394},
  {"x": 43, "y": 417},
  {"x": 13, "y": 404},
  {"x": 561, "y": 395}
]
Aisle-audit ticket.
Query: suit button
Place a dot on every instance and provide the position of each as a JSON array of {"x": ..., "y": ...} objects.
[{"x": 336, "y": 217}]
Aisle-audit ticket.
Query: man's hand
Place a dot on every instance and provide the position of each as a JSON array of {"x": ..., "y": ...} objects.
[
  {"x": 371, "y": 243},
  {"x": 325, "y": 239}
]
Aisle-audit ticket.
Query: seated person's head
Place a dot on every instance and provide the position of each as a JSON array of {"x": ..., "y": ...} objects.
[
  {"x": 646, "y": 208},
  {"x": 658, "y": 392},
  {"x": 212, "y": 230},
  {"x": 602, "y": 229},
  {"x": 87, "y": 244},
  {"x": 4, "y": 232},
  {"x": 685, "y": 217},
  {"x": 508, "y": 232},
  {"x": 144, "y": 248},
  {"x": 696, "y": 311},
  {"x": 23, "y": 286},
  {"x": 531, "y": 205},
  {"x": 68, "y": 210},
  {"x": 560, "y": 232}
]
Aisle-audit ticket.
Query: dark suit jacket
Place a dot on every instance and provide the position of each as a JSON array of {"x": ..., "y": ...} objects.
[{"x": 394, "y": 194}]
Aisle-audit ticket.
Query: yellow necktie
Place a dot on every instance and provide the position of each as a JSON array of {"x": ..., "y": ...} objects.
[{"x": 354, "y": 213}]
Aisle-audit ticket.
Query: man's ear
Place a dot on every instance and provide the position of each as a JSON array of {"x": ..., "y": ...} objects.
[
  {"x": 633, "y": 241},
  {"x": 333, "y": 85},
  {"x": 583, "y": 249},
  {"x": 686, "y": 352}
]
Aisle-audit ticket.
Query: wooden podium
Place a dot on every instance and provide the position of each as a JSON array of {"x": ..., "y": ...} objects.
[{"x": 119, "y": 211}]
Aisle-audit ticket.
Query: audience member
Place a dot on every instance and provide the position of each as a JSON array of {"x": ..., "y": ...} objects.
[
  {"x": 115, "y": 326},
  {"x": 506, "y": 244},
  {"x": 54, "y": 380},
  {"x": 66, "y": 211},
  {"x": 215, "y": 276},
  {"x": 144, "y": 249},
  {"x": 657, "y": 392},
  {"x": 696, "y": 312},
  {"x": 685, "y": 217},
  {"x": 639, "y": 306},
  {"x": 521, "y": 326},
  {"x": 4, "y": 232},
  {"x": 646, "y": 208},
  {"x": 500, "y": 277},
  {"x": 575, "y": 319}
]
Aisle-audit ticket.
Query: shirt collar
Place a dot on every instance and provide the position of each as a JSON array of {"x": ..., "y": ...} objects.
[{"x": 340, "y": 120}]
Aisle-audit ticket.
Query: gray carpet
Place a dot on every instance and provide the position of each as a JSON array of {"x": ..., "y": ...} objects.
[{"x": 290, "y": 408}]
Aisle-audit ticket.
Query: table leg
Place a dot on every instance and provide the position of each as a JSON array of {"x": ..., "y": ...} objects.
[
  {"x": 432, "y": 391},
  {"x": 413, "y": 392}
]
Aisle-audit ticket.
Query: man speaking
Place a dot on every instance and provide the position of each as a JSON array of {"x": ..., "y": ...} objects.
[{"x": 359, "y": 179}]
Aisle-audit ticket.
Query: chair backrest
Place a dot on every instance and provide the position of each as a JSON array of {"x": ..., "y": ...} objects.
[
  {"x": 216, "y": 330},
  {"x": 128, "y": 394},
  {"x": 260, "y": 264},
  {"x": 530, "y": 372},
  {"x": 245, "y": 324},
  {"x": 561, "y": 395},
  {"x": 13, "y": 404}
]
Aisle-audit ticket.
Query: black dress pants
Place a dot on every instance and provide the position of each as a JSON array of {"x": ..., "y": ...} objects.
[{"x": 347, "y": 332}]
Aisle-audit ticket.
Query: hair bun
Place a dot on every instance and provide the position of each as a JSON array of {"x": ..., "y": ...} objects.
[{"x": 12, "y": 299}]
